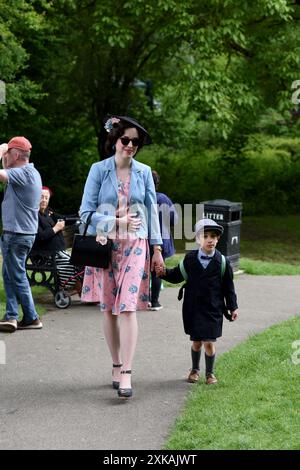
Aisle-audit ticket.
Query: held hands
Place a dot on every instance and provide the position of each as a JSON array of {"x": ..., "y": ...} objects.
[
  {"x": 234, "y": 314},
  {"x": 157, "y": 261},
  {"x": 160, "y": 271}
]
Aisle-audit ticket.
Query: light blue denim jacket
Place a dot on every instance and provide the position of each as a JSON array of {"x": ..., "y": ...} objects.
[{"x": 101, "y": 195}]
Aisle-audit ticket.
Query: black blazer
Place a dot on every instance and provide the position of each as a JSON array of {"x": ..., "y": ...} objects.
[
  {"x": 46, "y": 239},
  {"x": 206, "y": 295}
]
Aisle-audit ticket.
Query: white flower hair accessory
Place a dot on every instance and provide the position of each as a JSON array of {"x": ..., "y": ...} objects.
[{"x": 110, "y": 123}]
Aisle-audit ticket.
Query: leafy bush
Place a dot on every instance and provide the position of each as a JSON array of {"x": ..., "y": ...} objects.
[{"x": 264, "y": 175}]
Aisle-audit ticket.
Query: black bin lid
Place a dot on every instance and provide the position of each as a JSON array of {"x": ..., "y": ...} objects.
[{"x": 223, "y": 203}]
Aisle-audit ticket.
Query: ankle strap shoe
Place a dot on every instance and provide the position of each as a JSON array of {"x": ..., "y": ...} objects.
[{"x": 125, "y": 392}]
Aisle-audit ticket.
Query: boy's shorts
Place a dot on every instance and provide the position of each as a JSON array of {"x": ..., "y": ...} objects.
[{"x": 211, "y": 340}]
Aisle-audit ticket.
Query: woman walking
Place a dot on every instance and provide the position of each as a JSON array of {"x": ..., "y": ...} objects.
[{"x": 120, "y": 192}]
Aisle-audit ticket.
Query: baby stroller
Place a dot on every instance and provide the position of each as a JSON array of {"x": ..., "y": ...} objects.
[
  {"x": 44, "y": 269},
  {"x": 62, "y": 298}
]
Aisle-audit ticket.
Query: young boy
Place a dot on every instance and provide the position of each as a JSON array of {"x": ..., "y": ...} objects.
[{"x": 209, "y": 293}]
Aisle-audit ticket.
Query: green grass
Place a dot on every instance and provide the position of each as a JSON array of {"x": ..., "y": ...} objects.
[
  {"x": 37, "y": 292},
  {"x": 270, "y": 245},
  {"x": 267, "y": 238},
  {"x": 271, "y": 238},
  {"x": 255, "y": 404},
  {"x": 251, "y": 266}
]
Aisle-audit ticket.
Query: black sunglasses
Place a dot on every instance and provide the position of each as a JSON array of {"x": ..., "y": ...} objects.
[{"x": 125, "y": 141}]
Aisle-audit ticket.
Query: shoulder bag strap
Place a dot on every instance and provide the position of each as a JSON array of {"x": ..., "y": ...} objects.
[
  {"x": 185, "y": 275},
  {"x": 87, "y": 222},
  {"x": 223, "y": 266}
]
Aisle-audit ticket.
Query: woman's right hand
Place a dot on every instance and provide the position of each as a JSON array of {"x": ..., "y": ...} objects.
[{"x": 129, "y": 222}]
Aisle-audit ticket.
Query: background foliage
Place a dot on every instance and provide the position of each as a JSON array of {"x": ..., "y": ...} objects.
[{"x": 211, "y": 80}]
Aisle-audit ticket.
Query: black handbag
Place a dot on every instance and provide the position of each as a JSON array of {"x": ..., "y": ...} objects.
[{"x": 87, "y": 252}]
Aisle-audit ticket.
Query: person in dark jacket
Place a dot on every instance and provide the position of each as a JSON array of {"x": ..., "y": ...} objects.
[
  {"x": 50, "y": 238},
  {"x": 167, "y": 219},
  {"x": 50, "y": 230},
  {"x": 209, "y": 293}
]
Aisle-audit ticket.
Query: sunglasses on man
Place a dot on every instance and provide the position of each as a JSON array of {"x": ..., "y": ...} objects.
[{"x": 125, "y": 141}]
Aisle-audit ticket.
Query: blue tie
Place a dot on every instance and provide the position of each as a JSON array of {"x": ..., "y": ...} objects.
[{"x": 206, "y": 257}]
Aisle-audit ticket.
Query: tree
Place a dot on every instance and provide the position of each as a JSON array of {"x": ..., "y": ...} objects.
[
  {"x": 242, "y": 60},
  {"x": 215, "y": 66},
  {"x": 18, "y": 21},
  {"x": 215, "y": 50},
  {"x": 228, "y": 60}
]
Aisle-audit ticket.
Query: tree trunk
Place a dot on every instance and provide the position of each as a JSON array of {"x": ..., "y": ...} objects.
[{"x": 101, "y": 136}]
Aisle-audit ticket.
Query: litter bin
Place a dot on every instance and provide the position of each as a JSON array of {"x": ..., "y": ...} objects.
[{"x": 228, "y": 214}]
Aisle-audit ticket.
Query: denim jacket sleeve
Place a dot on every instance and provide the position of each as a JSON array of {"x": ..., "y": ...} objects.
[
  {"x": 104, "y": 217},
  {"x": 154, "y": 234}
]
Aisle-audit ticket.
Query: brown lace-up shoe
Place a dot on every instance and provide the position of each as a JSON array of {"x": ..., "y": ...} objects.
[
  {"x": 211, "y": 379},
  {"x": 34, "y": 325},
  {"x": 193, "y": 376}
]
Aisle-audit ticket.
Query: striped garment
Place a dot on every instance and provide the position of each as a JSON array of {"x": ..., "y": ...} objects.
[{"x": 66, "y": 270}]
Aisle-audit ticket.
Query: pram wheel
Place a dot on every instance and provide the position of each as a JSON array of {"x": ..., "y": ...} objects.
[{"x": 62, "y": 300}]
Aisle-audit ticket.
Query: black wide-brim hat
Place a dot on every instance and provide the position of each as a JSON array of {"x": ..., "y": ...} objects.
[{"x": 145, "y": 137}]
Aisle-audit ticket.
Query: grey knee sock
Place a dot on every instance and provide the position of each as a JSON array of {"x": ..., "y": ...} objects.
[
  {"x": 196, "y": 359},
  {"x": 209, "y": 362}
]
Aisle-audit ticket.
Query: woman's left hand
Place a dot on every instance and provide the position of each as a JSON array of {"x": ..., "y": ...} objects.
[
  {"x": 157, "y": 260},
  {"x": 101, "y": 239}
]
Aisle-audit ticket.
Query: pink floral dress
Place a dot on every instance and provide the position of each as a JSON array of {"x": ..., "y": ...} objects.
[{"x": 124, "y": 286}]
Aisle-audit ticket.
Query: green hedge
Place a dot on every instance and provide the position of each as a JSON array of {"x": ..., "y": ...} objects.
[{"x": 264, "y": 175}]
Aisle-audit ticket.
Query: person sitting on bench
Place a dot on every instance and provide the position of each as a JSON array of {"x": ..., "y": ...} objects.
[{"x": 50, "y": 238}]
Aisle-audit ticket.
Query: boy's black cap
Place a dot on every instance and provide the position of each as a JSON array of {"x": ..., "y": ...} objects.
[{"x": 208, "y": 224}]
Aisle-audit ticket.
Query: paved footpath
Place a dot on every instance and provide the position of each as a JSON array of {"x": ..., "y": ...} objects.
[{"x": 55, "y": 389}]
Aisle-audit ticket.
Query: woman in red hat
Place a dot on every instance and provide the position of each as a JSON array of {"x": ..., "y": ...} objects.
[{"x": 50, "y": 238}]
